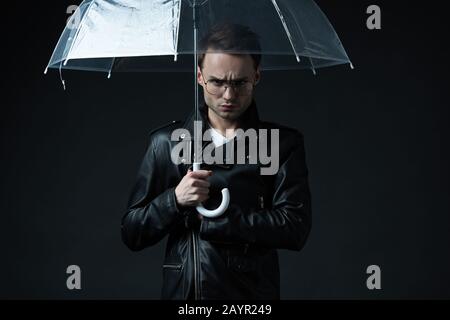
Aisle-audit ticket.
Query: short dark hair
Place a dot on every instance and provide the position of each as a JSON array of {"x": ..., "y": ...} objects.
[{"x": 231, "y": 37}]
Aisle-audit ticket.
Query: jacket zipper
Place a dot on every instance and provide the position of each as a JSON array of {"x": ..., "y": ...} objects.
[{"x": 196, "y": 280}]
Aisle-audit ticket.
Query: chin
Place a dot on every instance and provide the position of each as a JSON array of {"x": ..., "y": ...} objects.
[{"x": 226, "y": 115}]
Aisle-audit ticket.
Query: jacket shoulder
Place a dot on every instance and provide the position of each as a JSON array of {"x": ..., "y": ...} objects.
[
  {"x": 289, "y": 138},
  {"x": 165, "y": 128},
  {"x": 284, "y": 130}
]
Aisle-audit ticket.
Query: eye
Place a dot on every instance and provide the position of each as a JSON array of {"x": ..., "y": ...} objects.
[
  {"x": 238, "y": 83},
  {"x": 217, "y": 82}
]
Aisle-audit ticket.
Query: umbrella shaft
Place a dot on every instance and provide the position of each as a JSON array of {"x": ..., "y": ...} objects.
[{"x": 197, "y": 142}]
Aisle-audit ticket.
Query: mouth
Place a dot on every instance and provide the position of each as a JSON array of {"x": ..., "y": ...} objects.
[{"x": 228, "y": 107}]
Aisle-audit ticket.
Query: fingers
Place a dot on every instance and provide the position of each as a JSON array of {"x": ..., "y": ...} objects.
[
  {"x": 197, "y": 199},
  {"x": 200, "y": 183},
  {"x": 196, "y": 186},
  {"x": 200, "y": 191},
  {"x": 202, "y": 198},
  {"x": 200, "y": 174}
]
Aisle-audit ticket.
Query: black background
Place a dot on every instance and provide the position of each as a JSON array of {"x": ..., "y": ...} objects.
[{"x": 376, "y": 139}]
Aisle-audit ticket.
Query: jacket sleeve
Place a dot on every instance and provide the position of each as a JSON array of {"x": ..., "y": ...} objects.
[
  {"x": 285, "y": 225},
  {"x": 152, "y": 207}
]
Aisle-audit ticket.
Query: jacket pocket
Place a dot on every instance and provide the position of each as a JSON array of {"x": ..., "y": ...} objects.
[
  {"x": 175, "y": 267},
  {"x": 173, "y": 282},
  {"x": 241, "y": 263}
]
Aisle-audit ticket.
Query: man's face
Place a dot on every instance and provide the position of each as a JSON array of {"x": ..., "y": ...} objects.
[{"x": 217, "y": 67}]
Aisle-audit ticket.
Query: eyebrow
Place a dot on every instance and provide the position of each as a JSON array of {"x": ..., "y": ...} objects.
[{"x": 221, "y": 79}]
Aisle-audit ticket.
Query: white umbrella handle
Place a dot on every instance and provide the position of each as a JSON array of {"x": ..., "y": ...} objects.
[{"x": 219, "y": 210}]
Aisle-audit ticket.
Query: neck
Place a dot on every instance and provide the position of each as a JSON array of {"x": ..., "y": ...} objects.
[{"x": 222, "y": 125}]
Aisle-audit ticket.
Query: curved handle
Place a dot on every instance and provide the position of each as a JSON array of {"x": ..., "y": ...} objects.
[
  {"x": 220, "y": 210},
  {"x": 223, "y": 205}
]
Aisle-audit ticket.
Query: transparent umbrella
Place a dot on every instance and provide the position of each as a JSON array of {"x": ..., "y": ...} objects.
[{"x": 162, "y": 35}]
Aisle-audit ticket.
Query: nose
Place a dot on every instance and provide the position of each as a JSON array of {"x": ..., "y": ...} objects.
[{"x": 229, "y": 93}]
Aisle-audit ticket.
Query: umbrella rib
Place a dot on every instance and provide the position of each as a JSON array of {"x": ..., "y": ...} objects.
[
  {"x": 309, "y": 56},
  {"x": 286, "y": 29},
  {"x": 289, "y": 35},
  {"x": 110, "y": 68},
  {"x": 177, "y": 31},
  {"x": 337, "y": 36},
  {"x": 78, "y": 31},
  {"x": 61, "y": 77}
]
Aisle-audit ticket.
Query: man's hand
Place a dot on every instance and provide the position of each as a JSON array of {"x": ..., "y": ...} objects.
[{"x": 193, "y": 188}]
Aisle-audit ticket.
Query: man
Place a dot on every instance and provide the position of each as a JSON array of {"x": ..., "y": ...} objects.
[{"x": 233, "y": 256}]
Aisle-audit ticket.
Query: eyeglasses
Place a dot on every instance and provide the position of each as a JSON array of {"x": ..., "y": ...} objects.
[{"x": 217, "y": 87}]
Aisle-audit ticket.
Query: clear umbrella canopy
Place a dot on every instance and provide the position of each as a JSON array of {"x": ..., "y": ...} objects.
[
  {"x": 163, "y": 35},
  {"x": 157, "y": 35}
]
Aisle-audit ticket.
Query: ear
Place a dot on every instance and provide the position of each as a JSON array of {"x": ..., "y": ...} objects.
[
  {"x": 257, "y": 75},
  {"x": 199, "y": 76}
]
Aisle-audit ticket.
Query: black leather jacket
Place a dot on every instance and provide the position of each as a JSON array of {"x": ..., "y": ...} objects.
[{"x": 233, "y": 256}]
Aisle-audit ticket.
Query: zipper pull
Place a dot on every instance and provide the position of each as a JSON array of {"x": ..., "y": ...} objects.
[{"x": 261, "y": 202}]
